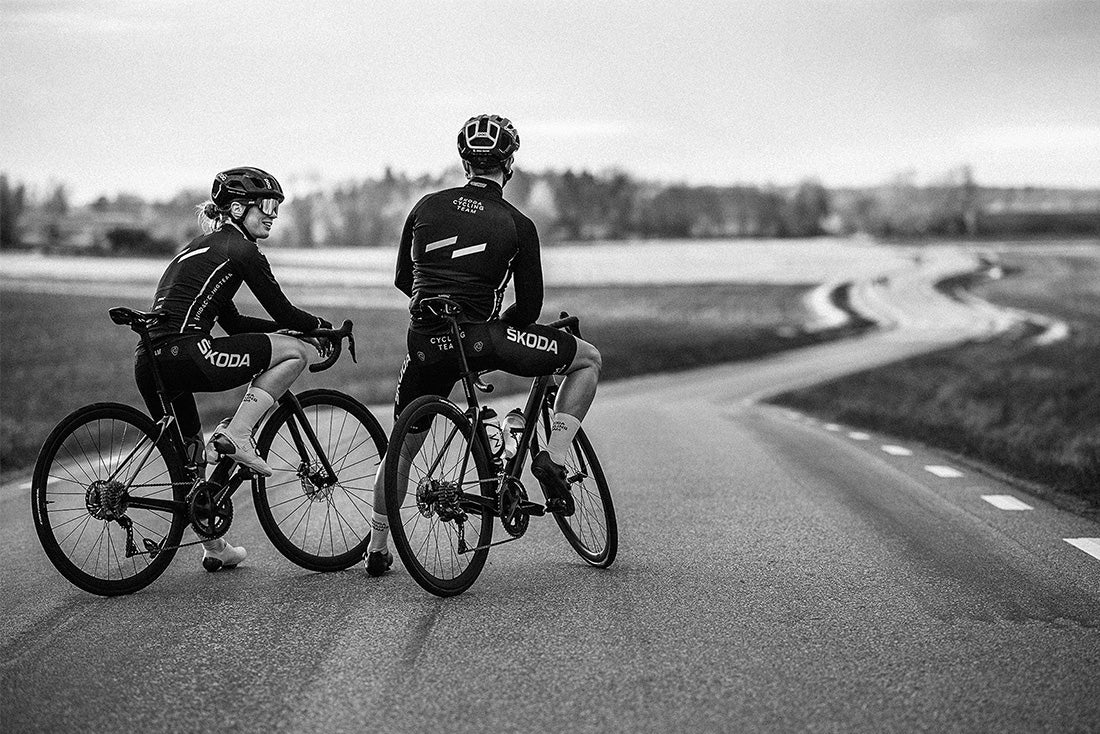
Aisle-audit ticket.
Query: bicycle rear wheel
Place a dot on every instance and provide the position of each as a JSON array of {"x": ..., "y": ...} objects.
[
  {"x": 318, "y": 526},
  {"x": 86, "y": 480},
  {"x": 592, "y": 530},
  {"x": 424, "y": 491}
]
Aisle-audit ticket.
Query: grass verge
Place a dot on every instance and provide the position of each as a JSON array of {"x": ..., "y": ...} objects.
[
  {"x": 61, "y": 352},
  {"x": 1031, "y": 411}
]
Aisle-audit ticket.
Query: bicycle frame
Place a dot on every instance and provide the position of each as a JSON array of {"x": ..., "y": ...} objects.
[
  {"x": 109, "y": 480},
  {"x": 168, "y": 427},
  {"x": 475, "y": 412}
]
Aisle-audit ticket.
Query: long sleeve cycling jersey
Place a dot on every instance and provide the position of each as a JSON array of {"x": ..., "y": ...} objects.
[
  {"x": 467, "y": 243},
  {"x": 198, "y": 286}
]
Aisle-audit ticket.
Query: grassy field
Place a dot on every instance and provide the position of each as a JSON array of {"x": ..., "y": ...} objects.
[
  {"x": 61, "y": 352},
  {"x": 1064, "y": 286},
  {"x": 1032, "y": 411}
]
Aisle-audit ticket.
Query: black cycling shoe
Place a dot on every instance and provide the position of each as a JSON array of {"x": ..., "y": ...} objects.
[
  {"x": 552, "y": 477},
  {"x": 378, "y": 562}
]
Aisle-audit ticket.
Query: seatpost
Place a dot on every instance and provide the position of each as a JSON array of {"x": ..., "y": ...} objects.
[
  {"x": 147, "y": 343},
  {"x": 471, "y": 399}
]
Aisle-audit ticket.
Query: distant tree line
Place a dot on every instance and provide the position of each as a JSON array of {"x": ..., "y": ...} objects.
[{"x": 568, "y": 206}]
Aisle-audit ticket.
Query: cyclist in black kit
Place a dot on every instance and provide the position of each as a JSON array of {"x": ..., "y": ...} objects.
[
  {"x": 196, "y": 290},
  {"x": 468, "y": 243}
]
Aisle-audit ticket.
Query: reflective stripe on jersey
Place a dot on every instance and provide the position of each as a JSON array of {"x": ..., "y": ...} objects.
[
  {"x": 469, "y": 250},
  {"x": 181, "y": 257},
  {"x": 202, "y": 293}
]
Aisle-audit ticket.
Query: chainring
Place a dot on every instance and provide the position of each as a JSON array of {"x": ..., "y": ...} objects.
[
  {"x": 209, "y": 519},
  {"x": 511, "y": 499}
]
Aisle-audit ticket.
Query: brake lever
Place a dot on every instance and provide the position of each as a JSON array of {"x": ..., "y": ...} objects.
[{"x": 351, "y": 348}]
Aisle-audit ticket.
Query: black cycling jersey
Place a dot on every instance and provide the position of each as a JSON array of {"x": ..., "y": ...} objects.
[
  {"x": 467, "y": 243},
  {"x": 198, "y": 287}
]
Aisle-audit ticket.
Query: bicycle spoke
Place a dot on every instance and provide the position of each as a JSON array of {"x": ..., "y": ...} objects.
[{"x": 94, "y": 465}]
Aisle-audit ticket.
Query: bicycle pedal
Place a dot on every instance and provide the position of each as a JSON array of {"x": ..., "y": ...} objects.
[{"x": 532, "y": 508}]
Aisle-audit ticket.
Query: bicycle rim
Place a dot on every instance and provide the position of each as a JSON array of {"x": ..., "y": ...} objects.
[
  {"x": 320, "y": 526},
  {"x": 426, "y": 538},
  {"x": 591, "y": 530},
  {"x": 84, "y": 480}
]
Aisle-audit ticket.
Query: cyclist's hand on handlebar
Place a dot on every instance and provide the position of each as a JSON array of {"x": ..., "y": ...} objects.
[{"x": 324, "y": 346}]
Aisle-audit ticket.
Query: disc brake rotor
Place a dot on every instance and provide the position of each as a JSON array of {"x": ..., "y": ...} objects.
[{"x": 312, "y": 478}]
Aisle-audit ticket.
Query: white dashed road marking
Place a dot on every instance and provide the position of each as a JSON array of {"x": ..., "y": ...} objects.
[
  {"x": 1088, "y": 545},
  {"x": 1005, "y": 502},
  {"x": 1000, "y": 501}
]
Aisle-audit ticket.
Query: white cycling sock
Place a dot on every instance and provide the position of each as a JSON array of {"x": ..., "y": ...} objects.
[
  {"x": 217, "y": 545},
  {"x": 563, "y": 429},
  {"x": 379, "y": 532},
  {"x": 253, "y": 406}
]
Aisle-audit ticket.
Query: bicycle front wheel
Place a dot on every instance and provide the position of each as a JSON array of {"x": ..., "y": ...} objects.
[
  {"x": 592, "y": 530},
  {"x": 317, "y": 524},
  {"x": 98, "y": 472},
  {"x": 435, "y": 461}
]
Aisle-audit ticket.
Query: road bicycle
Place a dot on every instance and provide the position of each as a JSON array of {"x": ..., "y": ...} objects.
[
  {"x": 113, "y": 491},
  {"x": 452, "y": 480}
]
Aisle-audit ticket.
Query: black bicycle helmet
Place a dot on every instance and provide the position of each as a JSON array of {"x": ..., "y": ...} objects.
[
  {"x": 488, "y": 141},
  {"x": 244, "y": 183}
]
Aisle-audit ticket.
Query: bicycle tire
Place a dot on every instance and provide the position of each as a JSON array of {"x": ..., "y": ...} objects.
[
  {"x": 427, "y": 544},
  {"x": 80, "y": 454},
  {"x": 592, "y": 530},
  {"x": 320, "y": 528}
]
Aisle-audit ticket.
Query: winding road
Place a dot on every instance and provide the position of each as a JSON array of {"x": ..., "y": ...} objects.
[{"x": 774, "y": 574}]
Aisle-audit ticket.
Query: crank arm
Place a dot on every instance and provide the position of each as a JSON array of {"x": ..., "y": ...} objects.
[{"x": 532, "y": 508}]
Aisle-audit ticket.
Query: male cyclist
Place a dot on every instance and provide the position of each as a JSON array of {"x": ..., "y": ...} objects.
[
  {"x": 196, "y": 290},
  {"x": 467, "y": 243}
]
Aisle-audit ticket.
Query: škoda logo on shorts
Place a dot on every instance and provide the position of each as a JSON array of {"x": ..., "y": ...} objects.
[
  {"x": 223, "y": 359},
  {"x": 534, "y": 341}
]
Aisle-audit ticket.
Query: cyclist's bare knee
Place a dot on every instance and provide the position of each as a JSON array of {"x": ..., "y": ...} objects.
[
  {"x": 289, "y": 349},
  {"x": 587, "y": 357}
]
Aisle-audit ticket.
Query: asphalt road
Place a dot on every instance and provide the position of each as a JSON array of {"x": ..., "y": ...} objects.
[{"x": 774, "y": 574}]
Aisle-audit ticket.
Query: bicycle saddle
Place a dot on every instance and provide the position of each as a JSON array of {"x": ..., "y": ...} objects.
[
  {"x": 134, "y": 319},
  {"x": 440, "y": 306}
]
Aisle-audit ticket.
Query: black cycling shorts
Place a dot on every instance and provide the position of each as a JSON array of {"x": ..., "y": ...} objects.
[
  {"x": 433, "y": 365},
  {"x": 200, "y": 363}
]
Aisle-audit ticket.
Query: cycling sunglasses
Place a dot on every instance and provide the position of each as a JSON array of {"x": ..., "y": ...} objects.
[{"x": 269, "y": 207}]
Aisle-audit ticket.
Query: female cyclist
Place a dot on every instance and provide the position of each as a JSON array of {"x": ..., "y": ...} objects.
[{"x": 196, "y": 291}]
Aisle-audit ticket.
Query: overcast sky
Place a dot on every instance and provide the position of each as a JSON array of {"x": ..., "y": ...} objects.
[{"x": 157, "y": 96}]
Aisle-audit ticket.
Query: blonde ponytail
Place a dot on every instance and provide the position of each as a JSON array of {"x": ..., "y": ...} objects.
[{"x": 210, "y": 218}]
